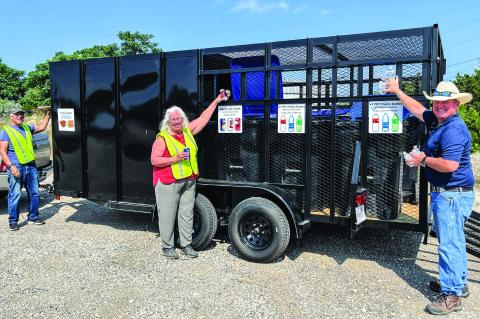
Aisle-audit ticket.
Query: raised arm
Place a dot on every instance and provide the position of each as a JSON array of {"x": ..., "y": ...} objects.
[
  {"x": 415, "y": 107},
  {"x": 43, "y": 125},
  {"x": 197, "y": 125}
]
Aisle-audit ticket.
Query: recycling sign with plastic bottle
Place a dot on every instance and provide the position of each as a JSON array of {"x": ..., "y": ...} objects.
[
  {"x": 291, "y": 118},
  {"x": 385, "y": 117}
]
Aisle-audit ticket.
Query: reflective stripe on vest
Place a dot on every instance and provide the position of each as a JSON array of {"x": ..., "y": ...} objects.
[
  {"x": 22, "y": 146},
  {"x": 184, "y": 168}
]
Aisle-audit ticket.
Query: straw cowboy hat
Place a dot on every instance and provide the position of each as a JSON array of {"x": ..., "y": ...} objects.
[{"x": 448, "y": 91}]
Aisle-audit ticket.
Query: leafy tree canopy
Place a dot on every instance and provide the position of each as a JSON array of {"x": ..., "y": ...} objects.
[
  {"x": 10, "y": 82},
  {"x": 470, "y": 112},
  {"x": 37, "y": 83}
]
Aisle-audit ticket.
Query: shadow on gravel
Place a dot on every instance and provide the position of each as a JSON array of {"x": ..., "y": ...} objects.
[
  {"x": 88, "y": 212},
  {"x": 45, "y": 199},
  {"x": 391, "y": 249}
]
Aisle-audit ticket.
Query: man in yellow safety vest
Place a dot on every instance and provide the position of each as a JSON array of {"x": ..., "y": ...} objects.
[{"x": 16, "y": 150}]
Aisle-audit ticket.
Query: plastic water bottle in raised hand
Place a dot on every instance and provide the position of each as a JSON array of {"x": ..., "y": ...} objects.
[{"x": 390, "y": 73}]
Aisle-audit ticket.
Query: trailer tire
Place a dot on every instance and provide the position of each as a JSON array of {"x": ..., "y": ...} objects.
[
  {"x": 204, "y": 222},
  {"x": 3, "y": 194},
  {"x": 259, "y": 229}
]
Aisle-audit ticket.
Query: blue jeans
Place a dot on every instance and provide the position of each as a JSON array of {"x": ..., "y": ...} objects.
[
  {"x": 450, "y": 212},
  {"x": 29, "y": 179}
]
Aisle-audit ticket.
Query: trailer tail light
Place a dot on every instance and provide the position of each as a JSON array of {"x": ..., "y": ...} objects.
[
  {"x": 361, "y": 199},
  {"x": 360, "y": 207}
]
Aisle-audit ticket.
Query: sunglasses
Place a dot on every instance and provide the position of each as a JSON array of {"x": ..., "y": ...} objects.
[{"x": 444, "y": 93}]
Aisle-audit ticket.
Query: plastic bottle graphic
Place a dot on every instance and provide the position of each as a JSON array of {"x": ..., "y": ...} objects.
[
  {"x": 375, "y": 123},
  {"x": 299, "y": 124},
  {"x": 291, "y": 124},
  {"x": 283, "y": 123},
  {"x": 395, "y": 123},
  {"x": 385, "y": 123}
]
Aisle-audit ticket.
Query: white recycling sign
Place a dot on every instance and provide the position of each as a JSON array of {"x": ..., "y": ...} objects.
[
  {"x": 291, "y": 118},
  {"x": 385, "y": 117}
]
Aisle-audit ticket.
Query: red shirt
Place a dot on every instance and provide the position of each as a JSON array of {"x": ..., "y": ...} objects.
[{"x": 164, "y": 174}]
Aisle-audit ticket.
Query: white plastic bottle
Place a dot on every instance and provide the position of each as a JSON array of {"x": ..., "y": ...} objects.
[
  {"x": 389, "y": 73},
  {"x": 291, "y": 123},
  {"x": 407, "y": 156}
]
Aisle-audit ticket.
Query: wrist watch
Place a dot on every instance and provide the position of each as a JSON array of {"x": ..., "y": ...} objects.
[
  {"x": 423, "y": 163},
  {"x": 9, "y": 165}
]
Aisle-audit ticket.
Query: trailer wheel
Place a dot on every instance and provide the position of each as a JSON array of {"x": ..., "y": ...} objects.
[
  {"x": 3, "y": 194},
  {"x": 259, "y": 229},
  {"x": 204, "y": 222}
]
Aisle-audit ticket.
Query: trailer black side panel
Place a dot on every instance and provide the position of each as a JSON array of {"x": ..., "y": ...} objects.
[
  {"x": 101, "y": 128},
  {"x": 67, "y": 145},
  {"x": 139, "y": 117},
  {"x": 181, "y": 81}
]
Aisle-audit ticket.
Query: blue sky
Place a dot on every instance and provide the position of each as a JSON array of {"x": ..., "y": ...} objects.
[{"x": 31, "y": 31}]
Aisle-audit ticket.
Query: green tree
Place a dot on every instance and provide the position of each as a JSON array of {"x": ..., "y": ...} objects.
[
  {"x": 137, "y": 43},
  {"x": 37, "y": 82},
  {"x": 471, "y": 112},
  {"x": 11, "y": 87}
]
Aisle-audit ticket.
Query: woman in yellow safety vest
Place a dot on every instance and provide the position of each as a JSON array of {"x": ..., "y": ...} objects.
[
  {"x": 175, "y": 170},
  {"x": 16, "y": 150}
]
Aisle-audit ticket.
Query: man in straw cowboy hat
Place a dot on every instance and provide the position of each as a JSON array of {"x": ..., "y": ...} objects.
[{"x": 446, "y": 158}]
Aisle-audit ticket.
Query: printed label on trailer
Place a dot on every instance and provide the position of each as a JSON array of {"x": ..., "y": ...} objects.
[
  {"x": 385, "y": 117},
  {"x": 66, "y": 120},
  {"x": 291, "y": 118},
  {"x": 230, "y": 118}
]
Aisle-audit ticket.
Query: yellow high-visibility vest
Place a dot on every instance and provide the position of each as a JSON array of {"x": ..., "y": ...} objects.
[
  {"x": 22, "y": 146},
  {"x": 185, "y": 168}
]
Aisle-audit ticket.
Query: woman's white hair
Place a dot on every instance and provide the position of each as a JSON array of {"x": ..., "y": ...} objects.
[{"x": 164, "y": 124}]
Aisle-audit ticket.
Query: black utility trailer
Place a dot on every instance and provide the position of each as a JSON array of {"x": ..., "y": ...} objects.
[{"x": 265, "y": 172}]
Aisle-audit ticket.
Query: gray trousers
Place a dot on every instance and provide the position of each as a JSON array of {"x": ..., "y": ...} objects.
[{"x": 177, "y": 198}]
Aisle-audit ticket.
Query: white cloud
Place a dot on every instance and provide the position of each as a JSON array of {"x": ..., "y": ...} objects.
[
  {"x": 254, "y": 7},
  {"x": 300, "y": 8},
  {"x": 325, "y": 12}
]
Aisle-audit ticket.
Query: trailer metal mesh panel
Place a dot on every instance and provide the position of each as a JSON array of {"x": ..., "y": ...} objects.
[
  {"x": 412, "y": 78},
  {"x": 346, "y": 134},
  {"x": 385, "y": 48},
  {"x": 294, "y": 84},
  {"x": 387, "y": 173},
  {"x": 234, "y": 157},
  {"x": 321, "y": 163},
  {"x": 287, "y": 159},
  {"x": 321, "y": 83},
  {"x": 322, "y": 53},
  {"x": 360, "y": 66},
  {"x": 291, "y": 55},
  {"x": 221, "y": 61},
  {"x": 346, "y": 82}
]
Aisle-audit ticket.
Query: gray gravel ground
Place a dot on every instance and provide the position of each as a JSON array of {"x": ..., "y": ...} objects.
[{"x": 88, "y": 262}]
